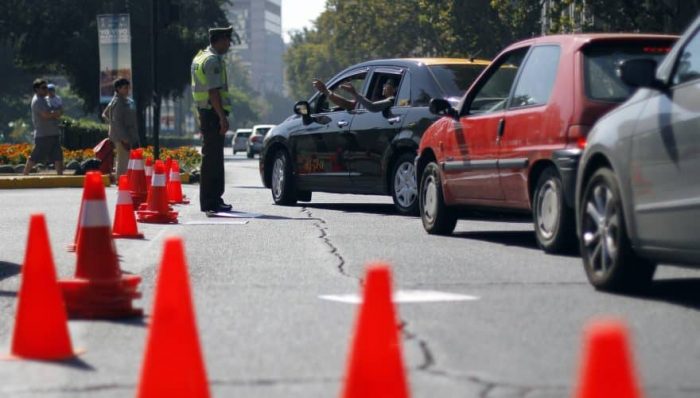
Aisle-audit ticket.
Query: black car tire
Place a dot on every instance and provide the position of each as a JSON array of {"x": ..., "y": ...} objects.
[
  {"x": 608, "y": 258},
  {"x": 406, "y": 200},
  {"x": 282, "y": 182},
  {"x": 553, "y": 218},
  {"x": 437, "y": 217}
]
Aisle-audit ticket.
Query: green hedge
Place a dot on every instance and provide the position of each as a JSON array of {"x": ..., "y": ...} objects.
[
  {"x": 85, "y": 134},
  {"x": 82, "y": 134}
]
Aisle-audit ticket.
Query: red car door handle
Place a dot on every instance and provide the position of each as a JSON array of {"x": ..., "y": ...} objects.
[{"x": 501, "y": 128}]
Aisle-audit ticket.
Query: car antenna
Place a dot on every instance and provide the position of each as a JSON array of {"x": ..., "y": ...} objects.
[{"x": 473, "y": 56}]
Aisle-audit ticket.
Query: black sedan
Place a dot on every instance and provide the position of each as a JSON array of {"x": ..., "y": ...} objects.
[{"x": 327, "y": 148}]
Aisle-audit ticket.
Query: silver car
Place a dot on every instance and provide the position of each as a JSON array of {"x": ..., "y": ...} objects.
[
  {"x": 240, "y": 140},
  {"x": 638, "y": 182},
  {"x": 255, "y": 141}
]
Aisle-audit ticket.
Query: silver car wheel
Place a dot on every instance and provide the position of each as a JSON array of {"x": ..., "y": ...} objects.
[
  {"x": 405, "y": 187},
  {"x": 548, "y": 208},
  {"x": 278, "y": 177},
  {"x": 601, "y": 229},
  {"x": 430, "y": 199}
]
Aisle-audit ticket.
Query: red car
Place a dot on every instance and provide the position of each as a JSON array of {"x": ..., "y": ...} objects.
[{"x": 514, "y": 140}]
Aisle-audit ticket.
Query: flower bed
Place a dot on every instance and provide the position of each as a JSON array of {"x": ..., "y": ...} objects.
[{"x": 16, "y": 154}]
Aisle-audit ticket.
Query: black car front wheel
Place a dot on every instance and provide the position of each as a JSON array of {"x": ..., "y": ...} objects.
[
  {"x": 608, "y": 257},
  {"x": 553, "y": 218},
  {"x": 437, "y": 217},
  {"x": 404, "y": 189},
  {"x": 283, "y": 187}
]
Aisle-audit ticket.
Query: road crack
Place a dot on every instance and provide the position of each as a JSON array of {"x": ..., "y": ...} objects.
[{"x": 322, "y": 227}]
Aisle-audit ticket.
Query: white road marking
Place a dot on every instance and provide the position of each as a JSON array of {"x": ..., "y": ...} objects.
[
  {"x": 405, "y": 296},
  {"x": 235, "y": 214}
]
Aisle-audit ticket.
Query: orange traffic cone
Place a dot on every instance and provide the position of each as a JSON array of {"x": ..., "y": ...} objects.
[
  {"x": 175, "y": 195},
  {"x": 137, "y": 178},
  {"x": 99, "y": 290},
  {"x": 156, "y": 210},
  {"x": 124, "y": 220},
  {"x": 173, "y": 365},
  {"x": 607, "y": 370},
  {"x": 149, "y": 172},
  {"x": 168, "y": 166},
  {"x": 41, "y": 324},
  {"x": 71, "y": 247},
  {"x": 375, "y": 366}
]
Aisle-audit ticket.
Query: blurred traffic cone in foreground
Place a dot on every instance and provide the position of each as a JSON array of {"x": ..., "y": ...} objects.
[
  {"x": 157, "y": 210},
  {"x": 173, "y": 366},
  {"x": 607, "y": 370},
  {"x": 148, "y": 170},
  {"x": 99, "y": 290},
  {"x": 41, "y": 324},
  {"x": 137, "y": 178},
  {"x": 175, "y": 195},
  {"x": 124, "y": 220},
  {"x": 375, "y": 366}
]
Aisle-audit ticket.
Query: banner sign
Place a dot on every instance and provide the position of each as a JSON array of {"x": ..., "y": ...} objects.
[{"x": 114, "y": 38}]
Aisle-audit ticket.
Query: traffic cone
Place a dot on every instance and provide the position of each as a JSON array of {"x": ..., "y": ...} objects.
[
  {"x": 41, "y": 323},
  {"x": 375, "y": 365},
  {"x": 156, "y": 210},
  {"x": 173, "y": 365},
  {"x": 99, "y": 290},
  {"x": 168, "y": 166},
  {"x": 149, "y": 172},
  {"x": 137, "y": 178},
  {"x": 175, "y": 195},
  {"x": 607, "y": 370},
  {"x": 124, "y": 220},
  {"x": 71, "y": 247}
]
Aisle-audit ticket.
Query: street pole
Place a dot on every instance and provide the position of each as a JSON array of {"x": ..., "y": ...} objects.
[{"x": 154, "y": 66}]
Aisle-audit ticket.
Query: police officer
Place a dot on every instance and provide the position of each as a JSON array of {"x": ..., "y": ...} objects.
[{"x": 210, "y": 92}]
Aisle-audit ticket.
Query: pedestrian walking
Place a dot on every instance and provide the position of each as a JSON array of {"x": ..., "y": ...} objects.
[
  {"x": 121, "y": 116},
  {"x": 47, "y": 133},
  {"x": 210, "y": 92}
]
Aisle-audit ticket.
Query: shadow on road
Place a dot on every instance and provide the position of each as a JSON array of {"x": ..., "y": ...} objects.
[
  {"x": 685, "y": 292},
  {"x": 368, "y": 208},
  {"x": 525, "y": 239},
  {"x": 8, "y": 270}
]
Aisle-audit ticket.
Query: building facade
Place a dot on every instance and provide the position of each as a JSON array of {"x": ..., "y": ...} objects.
[{"x": 259, "y": 25}]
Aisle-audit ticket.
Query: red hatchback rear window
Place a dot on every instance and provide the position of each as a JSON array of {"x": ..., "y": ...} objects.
[{"x": 602, "y": 60}]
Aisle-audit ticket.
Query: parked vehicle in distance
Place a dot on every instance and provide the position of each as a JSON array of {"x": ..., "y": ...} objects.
[
  {"x": 513, "y": 142},
  {"x": 255, "y": 140},
  {"x": 638, "y": 185},
  {"x": 240, "y": 140},
  {"x": 329, "y": 149}
]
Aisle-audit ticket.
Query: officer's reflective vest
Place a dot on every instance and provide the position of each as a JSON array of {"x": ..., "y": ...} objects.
[{"x": 200, "y": 92}]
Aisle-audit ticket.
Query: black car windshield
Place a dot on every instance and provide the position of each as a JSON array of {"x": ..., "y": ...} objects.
[
  {"x": 602, "y": 60},
  {"x": 455, "y": 79}
]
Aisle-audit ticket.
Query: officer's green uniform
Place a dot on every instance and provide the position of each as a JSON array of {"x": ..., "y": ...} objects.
[{"x": 208, "y": 72}]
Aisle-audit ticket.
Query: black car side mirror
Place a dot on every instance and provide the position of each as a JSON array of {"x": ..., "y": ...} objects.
[
  {"x": 302, "y": 108},
  {"x": 442, "y": 107},
  {"x": 640, "y": 73}
]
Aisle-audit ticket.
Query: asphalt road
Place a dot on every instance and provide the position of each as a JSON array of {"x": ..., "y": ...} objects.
[{"x": 265, "y": 332}]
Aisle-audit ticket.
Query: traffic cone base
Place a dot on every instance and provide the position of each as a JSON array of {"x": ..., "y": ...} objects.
[{"x": 101, "y": 299}]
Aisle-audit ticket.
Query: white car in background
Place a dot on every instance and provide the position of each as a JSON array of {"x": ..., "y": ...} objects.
[
  {"x": 240, "y": 140},
  {"x": 255, "y": 140}
]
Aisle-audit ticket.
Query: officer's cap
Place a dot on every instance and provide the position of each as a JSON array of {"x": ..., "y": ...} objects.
[{"x": 216, "y": 33}]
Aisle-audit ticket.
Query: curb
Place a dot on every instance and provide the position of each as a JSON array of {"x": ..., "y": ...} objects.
[{"x": 51, "y": 181}]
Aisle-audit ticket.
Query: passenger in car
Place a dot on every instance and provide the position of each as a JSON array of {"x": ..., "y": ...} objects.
[
  {"x": 341, "y": 101},
  {"x": 388, "y": 94}
]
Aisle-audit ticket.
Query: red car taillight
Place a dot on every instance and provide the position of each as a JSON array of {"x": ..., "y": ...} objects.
[
  {"x": 255, "y": 138},
  {"x": 577, "y": 134}
]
